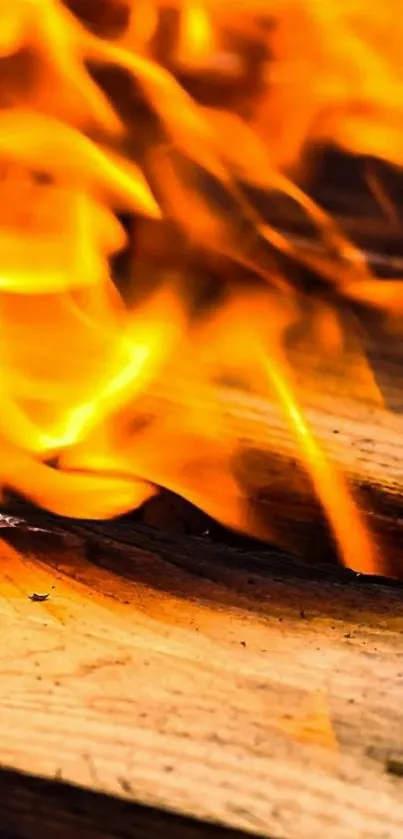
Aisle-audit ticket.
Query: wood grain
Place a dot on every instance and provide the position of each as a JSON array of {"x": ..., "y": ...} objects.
[
  {"x": 355, "y": 413},
  {"x": 236, "y": 688}
]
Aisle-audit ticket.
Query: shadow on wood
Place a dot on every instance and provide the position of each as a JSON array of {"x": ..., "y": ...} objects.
[{"x": 34, "y": 808}]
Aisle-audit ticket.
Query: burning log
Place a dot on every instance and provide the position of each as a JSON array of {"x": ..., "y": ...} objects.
[
  {"x": 175, "y": 143},
  {"x": 360, "y": 436},
  {"x": 204, "y": 130}
]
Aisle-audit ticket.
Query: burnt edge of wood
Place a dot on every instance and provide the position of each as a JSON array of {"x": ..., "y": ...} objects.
[
  {"x": 269, "y": 563},
  {"x": 195, "y": 553},
  {"x": 35, "y": 808}
]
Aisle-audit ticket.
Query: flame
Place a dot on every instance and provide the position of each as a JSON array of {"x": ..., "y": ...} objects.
[{"x": 142, "y": 144}]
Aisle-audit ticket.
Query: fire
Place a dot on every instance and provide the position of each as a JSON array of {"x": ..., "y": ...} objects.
[{"x": 142, "y": 145}]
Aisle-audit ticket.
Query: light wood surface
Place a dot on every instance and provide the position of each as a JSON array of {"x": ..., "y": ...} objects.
[{"x": 243, "y": 689}]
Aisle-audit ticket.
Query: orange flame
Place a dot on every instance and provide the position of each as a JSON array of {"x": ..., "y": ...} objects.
[{"x": 160, "y": 129}]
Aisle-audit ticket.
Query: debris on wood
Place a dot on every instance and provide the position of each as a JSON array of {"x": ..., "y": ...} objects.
[
  {"x": 394, "y": 766},
  {"x": 38, "y": 598}
]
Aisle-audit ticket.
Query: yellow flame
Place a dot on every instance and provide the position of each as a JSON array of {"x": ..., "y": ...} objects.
[{"x": 146, "y": 128}]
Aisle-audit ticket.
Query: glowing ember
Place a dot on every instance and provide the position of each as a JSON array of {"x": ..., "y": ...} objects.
[{"x": 160, "y": 130}]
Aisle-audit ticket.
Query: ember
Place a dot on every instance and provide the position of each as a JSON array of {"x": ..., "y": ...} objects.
[{"x": 163, "y": 132}]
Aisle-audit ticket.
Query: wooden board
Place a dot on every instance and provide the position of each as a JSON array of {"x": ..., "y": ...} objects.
[{"x": 241, "y": 689}]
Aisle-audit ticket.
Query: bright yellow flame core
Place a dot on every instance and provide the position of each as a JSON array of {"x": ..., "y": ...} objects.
[{"x": 164, "y": 111}]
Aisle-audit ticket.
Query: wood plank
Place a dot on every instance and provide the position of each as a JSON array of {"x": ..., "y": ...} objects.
[{"x": 226, "y": 686}]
